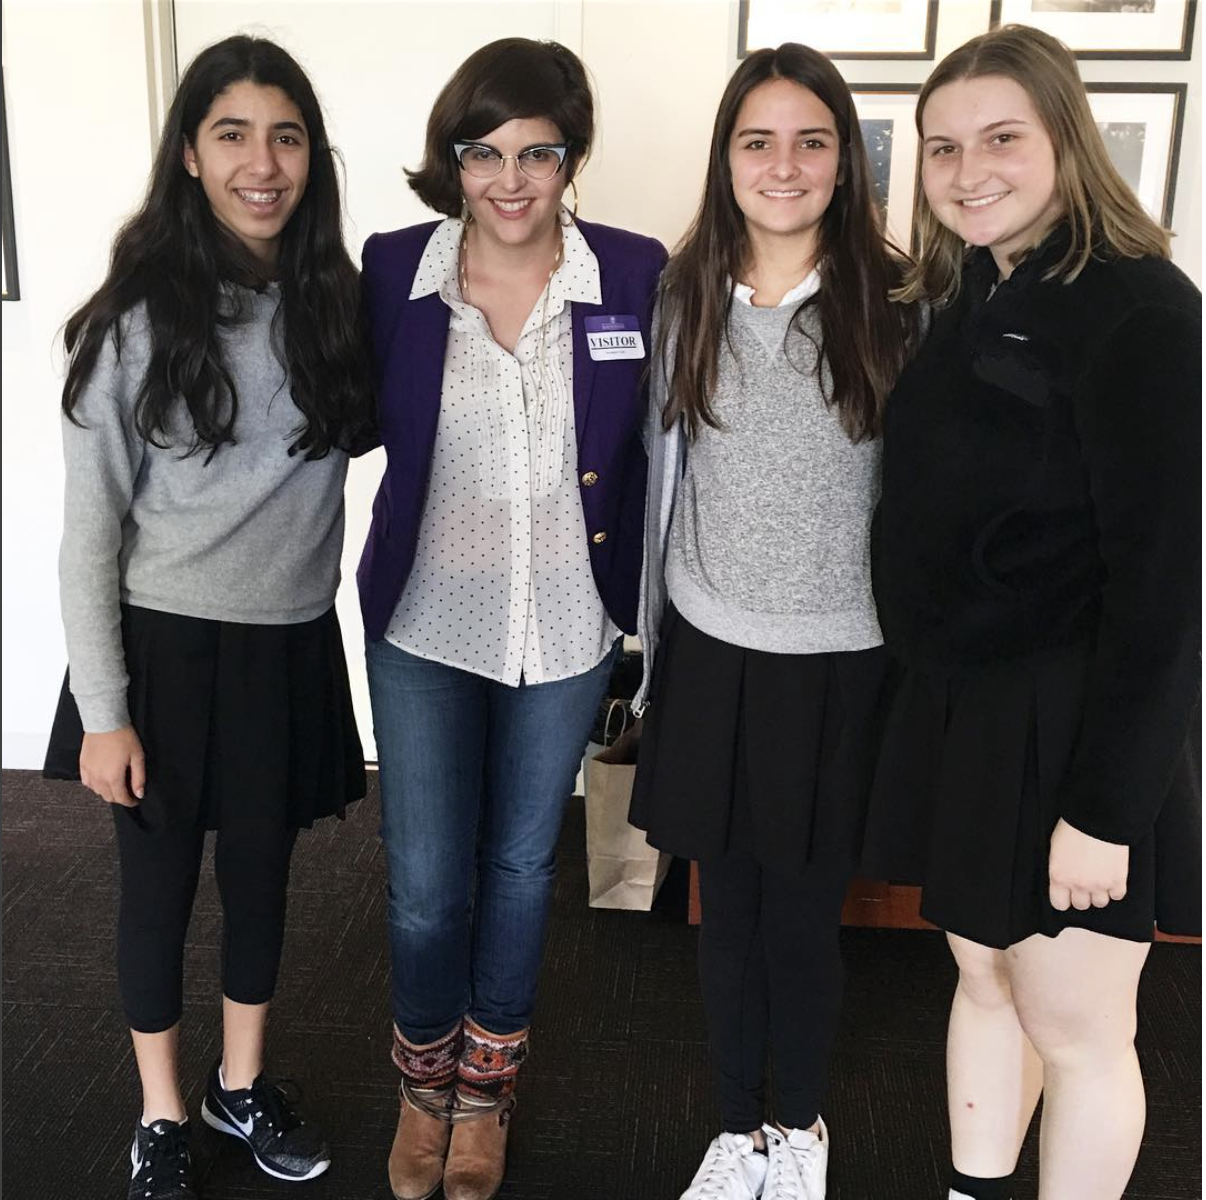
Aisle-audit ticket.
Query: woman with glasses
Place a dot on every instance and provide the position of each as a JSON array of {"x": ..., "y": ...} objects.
[
  {"x": 503, "y": 562},
  {"x": 777, "y": 346}
]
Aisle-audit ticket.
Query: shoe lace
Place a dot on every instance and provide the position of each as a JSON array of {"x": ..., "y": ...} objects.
[
  {"x": 275, "y": 1100},
  {"x": 166, "y": 1153},
  {"x": 718, "y": 1167},
  {"x": 788, "y": 1187},
  {"x": 788, "y": 1165}
]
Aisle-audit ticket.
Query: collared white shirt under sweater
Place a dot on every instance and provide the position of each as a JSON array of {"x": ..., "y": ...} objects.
[{"x": 502, "y": 584}]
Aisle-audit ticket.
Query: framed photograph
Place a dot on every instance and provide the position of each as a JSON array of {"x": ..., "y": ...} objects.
[
  {"x": 885, "y": 115},
  {"x": 1141, "y": 126},
  {"x": 8, "y": 233},
  {"x": 841, "y": 28},
  {"x": 1107, "y": 28}
]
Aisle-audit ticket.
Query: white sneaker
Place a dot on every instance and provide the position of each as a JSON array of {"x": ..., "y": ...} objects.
[
  {"x": 731, "y": 1170},
  {"x": 798, "y": 1163}
]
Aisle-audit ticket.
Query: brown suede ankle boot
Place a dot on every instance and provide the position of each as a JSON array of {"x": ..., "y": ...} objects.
[
  {"x": 477, "y": 1155},
  {"x": 416, "y": 1160}
]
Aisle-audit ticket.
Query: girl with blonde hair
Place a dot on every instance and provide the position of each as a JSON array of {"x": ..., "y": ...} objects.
[{"x": 1036, "y": 562}]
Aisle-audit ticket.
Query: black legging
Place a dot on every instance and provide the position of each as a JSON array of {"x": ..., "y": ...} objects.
[
  {"x": 771, "y": 972},
  {"x": 159, "y": 873}
]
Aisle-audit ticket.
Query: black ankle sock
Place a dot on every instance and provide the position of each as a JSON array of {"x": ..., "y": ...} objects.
[{"x": 982, "y": 1189}]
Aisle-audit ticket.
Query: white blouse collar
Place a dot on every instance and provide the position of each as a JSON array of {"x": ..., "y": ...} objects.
[
  {"x": 577, "y": 279},
  {"x": 808, "y": 286}
]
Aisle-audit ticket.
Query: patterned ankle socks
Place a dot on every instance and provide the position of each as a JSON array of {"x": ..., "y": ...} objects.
[
  {"x": 483, "y": 1065},
  {"x": 431, "y": 1066},
  {"x": 489, "y": 1064}
]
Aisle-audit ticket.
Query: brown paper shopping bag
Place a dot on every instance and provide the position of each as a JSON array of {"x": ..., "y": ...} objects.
[{"x": 624, "y": 870}]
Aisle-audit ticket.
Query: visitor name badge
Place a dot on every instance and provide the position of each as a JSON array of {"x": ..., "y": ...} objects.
[{"x": 614, "y": 337}]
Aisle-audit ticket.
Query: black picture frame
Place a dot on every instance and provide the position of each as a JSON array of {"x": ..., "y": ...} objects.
[
  {"x": 922, "y": 54},
  {"x": 11, "y": 289},
  {"x": 1178, "y": 53},
  {"x": 904, "y": 175},
  {"x": 1172, "y": 160}
]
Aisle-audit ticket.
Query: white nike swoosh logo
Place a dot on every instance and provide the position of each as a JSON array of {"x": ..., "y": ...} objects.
[
  {"x": 136, "y": 1161},
  {"x": 245, "y": 1126}
]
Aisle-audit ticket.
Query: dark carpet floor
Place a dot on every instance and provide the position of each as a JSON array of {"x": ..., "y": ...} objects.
[{"x": 616, "y": 1101}]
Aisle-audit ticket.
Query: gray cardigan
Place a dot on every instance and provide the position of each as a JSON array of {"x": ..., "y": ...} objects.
[
  {"x": 667, "y": 450},
  {"x": 824, "y": 529}
]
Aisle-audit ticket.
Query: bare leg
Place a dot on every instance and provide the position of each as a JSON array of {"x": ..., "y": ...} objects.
[
  {"x": 993, "y": 1075},
  {"x": 242, "y": 1042},
  {"x": 155, "y": 1054},
  {"x": 1075, "y": 996},
  {"x": 760, "y": 1141}
]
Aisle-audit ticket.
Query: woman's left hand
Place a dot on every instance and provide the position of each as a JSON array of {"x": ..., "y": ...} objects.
[{"x": 1083, "y": 871}]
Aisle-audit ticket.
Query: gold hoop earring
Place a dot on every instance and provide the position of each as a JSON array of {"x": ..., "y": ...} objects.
[
  {"x": 573, "y": 216},
  {"x": 466, "y": 213}
]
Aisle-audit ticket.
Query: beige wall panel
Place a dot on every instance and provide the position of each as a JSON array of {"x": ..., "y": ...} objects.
[{"x": 76, "y": 87}]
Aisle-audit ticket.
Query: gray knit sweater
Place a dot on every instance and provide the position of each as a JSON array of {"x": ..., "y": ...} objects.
[
  {"x": 769, "y": 541},
  {"x": 759, "y": 532},
  {"x": 253, "y": 537}
]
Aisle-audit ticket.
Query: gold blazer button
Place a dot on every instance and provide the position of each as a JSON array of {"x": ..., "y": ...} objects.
[
  {"x": 599, "y": 538},
  {"x": 590, "y": 479}
]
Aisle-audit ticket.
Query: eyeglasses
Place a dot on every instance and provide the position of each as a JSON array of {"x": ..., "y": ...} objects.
[{"x": 484, "y": 162}]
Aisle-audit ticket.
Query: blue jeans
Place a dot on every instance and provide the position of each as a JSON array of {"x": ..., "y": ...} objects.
[{"x": 474, "y": 780}]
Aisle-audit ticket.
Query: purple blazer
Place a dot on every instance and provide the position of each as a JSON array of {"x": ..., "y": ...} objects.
[{"x": 409, "y": 338}]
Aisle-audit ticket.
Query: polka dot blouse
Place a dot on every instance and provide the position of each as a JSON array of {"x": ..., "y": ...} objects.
[{"x": 502, "y": 583}]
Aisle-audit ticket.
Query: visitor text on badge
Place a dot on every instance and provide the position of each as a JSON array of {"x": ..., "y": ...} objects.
[{"x": 614, "y": 337}]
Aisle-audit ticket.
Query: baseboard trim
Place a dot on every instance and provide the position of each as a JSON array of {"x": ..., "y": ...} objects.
[{"x": 875, "y": 905}]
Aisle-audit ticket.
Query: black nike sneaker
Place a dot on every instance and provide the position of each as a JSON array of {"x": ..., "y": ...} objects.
[
  {"x": 161, "y": 1166},
  {"x": 264, "y": 1116}
]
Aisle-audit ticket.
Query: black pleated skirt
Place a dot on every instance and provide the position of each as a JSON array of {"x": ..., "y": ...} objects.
[
  {"x": 966, "y": 797},
  {"x": 232, "y": 714},
  {"x": 789, "y": 736}
]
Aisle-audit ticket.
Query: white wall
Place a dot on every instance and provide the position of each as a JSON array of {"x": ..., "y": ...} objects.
[
  {"x": 78, "y": 118},
  {"x": 75, "y": 79},
  {"x": 659, "y": 69}
]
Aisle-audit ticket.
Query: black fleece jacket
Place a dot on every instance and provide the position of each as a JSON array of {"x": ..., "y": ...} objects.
[{"x": 1041, "y": 489}]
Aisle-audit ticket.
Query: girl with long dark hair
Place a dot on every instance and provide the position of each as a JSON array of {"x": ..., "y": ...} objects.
[
  {"x": 510, "y": 340},
  {"x": 777, "y": 346},
  {"x": 216, "y": 382},
  {"x": 1037, "y": 565}
]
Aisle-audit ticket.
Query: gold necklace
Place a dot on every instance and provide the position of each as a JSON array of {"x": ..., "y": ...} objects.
[
  {"x": 541, "y": 372},
  {"x": 463, "y": 261}
]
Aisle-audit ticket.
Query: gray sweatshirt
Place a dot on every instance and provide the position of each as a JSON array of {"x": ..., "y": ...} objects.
[
  {"x": 255, "y": 537},
  {"x": 759, "y": 532}
]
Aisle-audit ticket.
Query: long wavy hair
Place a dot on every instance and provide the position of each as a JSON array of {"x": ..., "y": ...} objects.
[
  {"x": 864, "y": 337},
  {"x": 173, "y": 256},
  {"x": 1098, "y": 206}
]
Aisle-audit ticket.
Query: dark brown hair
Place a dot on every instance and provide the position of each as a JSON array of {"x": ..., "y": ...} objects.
[
  {"x": 176, "y": 258},
  {"x": 1099, "y": 207},
  {"x": 510, "y": 79},
  {"x": 864, "y": 337}
]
